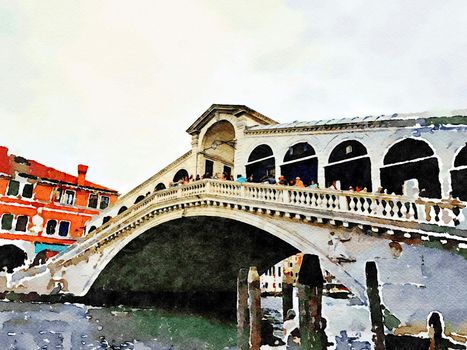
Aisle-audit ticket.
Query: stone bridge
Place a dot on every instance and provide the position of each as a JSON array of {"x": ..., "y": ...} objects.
[
  {"x": 300, "y": 217},
  {"x": 235, "y": 139}
]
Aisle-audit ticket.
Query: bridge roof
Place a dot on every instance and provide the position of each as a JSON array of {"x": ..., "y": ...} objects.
[
  {"x": 455, "y": 117},
  {"x": 236, "y": 110}
]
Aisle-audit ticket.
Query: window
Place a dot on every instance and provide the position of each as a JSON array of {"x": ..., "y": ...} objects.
[
  {"x": 227, "y": 170},
  {"x": 51, "y": 226},
  {"x": 104, "y": 202},
  {"x": 279, "y": 271},
  {"x": 27, "y": 190},
  {"x": 69, "y": 197},
  {"x": 13, "y": 188},
  {"x": 209, "y": 167},
  {"x": 7, "y": 221},
  {"x": 92, "y": 203},
  {"x": 21, "y": 223},
  {"x": 57, "y": 194},
  {"x": 64, "y": 228}
]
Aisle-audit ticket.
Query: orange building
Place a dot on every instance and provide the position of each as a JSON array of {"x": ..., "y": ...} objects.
[{"x": 43, "y": 210}]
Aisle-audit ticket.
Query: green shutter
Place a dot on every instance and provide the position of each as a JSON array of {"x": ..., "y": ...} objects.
[{"x": 13, "y": 188}]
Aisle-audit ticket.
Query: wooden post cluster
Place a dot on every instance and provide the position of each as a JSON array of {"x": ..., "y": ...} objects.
[{"x": 249, "y": 313}]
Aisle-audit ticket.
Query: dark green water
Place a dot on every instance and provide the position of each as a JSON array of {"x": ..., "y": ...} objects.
[{"x": 26, "y": 325}]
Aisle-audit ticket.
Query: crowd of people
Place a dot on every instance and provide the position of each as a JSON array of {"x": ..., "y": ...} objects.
[
  {"x": 187, "y": 179},
  {"x": 271, "y": 180}
]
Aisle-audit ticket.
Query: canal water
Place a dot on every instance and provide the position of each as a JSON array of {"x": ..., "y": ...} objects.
[{"x": 29, "y": 326}]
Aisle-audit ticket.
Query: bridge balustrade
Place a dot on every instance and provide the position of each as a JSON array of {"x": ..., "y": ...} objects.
[{"x": 392, "y": 207}]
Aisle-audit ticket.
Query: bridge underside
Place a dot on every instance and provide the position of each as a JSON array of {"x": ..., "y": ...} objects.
[{"x": 189, "y": 262}]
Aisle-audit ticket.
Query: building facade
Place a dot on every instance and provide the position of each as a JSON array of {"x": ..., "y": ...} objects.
[
  {"x": 43, "y": 210},
  {"x": 284, "y": 271}
]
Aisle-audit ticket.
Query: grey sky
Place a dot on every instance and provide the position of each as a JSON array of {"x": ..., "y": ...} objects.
[{"x": 114, "y": 84}]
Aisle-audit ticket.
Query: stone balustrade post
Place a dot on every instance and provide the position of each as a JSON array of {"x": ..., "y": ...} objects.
[
  {"x": 242, "y": 191},
  {"x": 285, "y": 196}
]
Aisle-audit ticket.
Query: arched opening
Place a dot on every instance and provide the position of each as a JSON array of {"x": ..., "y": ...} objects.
[
  {"x": 40, "y": 258},
  {"x": 459, "y": 175},
  {"x": 106, "y": 219},
  {"x": 139, "y": 199},
  {"x": 350, "y": 164},
  {"x": 179, "y": 175},
  {"x": 159, "y": 187},
  {"x": 183, "y": 263},
  {"x": 218, "y": 146},
  {"x": 121, "y": 210},
  {"x": 11, "y": 257},
  {"x": 92, "y": 228},
  {"x": 411, "y": 159},
  {"x": 261, "y": 163},
  {"x": 300, "y": 161}
]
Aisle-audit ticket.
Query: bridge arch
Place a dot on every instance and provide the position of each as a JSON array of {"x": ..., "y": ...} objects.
[
  {"x": 159, "y": 187},
  {"x": 261, "y": 162},
  {"x": 316, "y": 244},
  {"x": 139, "y": 198},
  {"x": 411, "y": 158},
  {"x": 179, "y": 175},
  {"x": 459, "y": 174},
  {"x": 300, "y": 160},
  {"x": 349, "y": 163},
  {"x": 218, "y": 147}
]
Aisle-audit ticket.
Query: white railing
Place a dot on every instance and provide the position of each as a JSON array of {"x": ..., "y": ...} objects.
[{"x": 389, "y": 207}]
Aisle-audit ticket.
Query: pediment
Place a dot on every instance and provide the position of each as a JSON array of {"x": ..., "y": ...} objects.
[{"x": 235, "y": 110}]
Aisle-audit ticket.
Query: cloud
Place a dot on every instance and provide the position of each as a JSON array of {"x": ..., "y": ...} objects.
[{"x": 114, "y": 84}]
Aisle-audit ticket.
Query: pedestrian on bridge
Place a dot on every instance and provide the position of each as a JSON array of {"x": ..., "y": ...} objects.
[
  {"x": 241, "y": 179},
  {"x": 299, "y": 182}
]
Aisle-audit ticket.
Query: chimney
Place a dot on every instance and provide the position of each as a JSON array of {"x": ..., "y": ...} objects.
[
  {"x": 4, "y": 160},
  {"x": 82, "y": 170}
]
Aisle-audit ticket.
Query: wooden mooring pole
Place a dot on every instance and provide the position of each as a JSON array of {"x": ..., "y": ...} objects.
[
  {"x": 243, "y": 318},
  {"x": 254, "y": 301},
  {"x": 376, "y": 314},
  {"x": 436, "y": 333},
  {"x": 310, "y": 294},
  {"x": 287, "y": 290}
]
